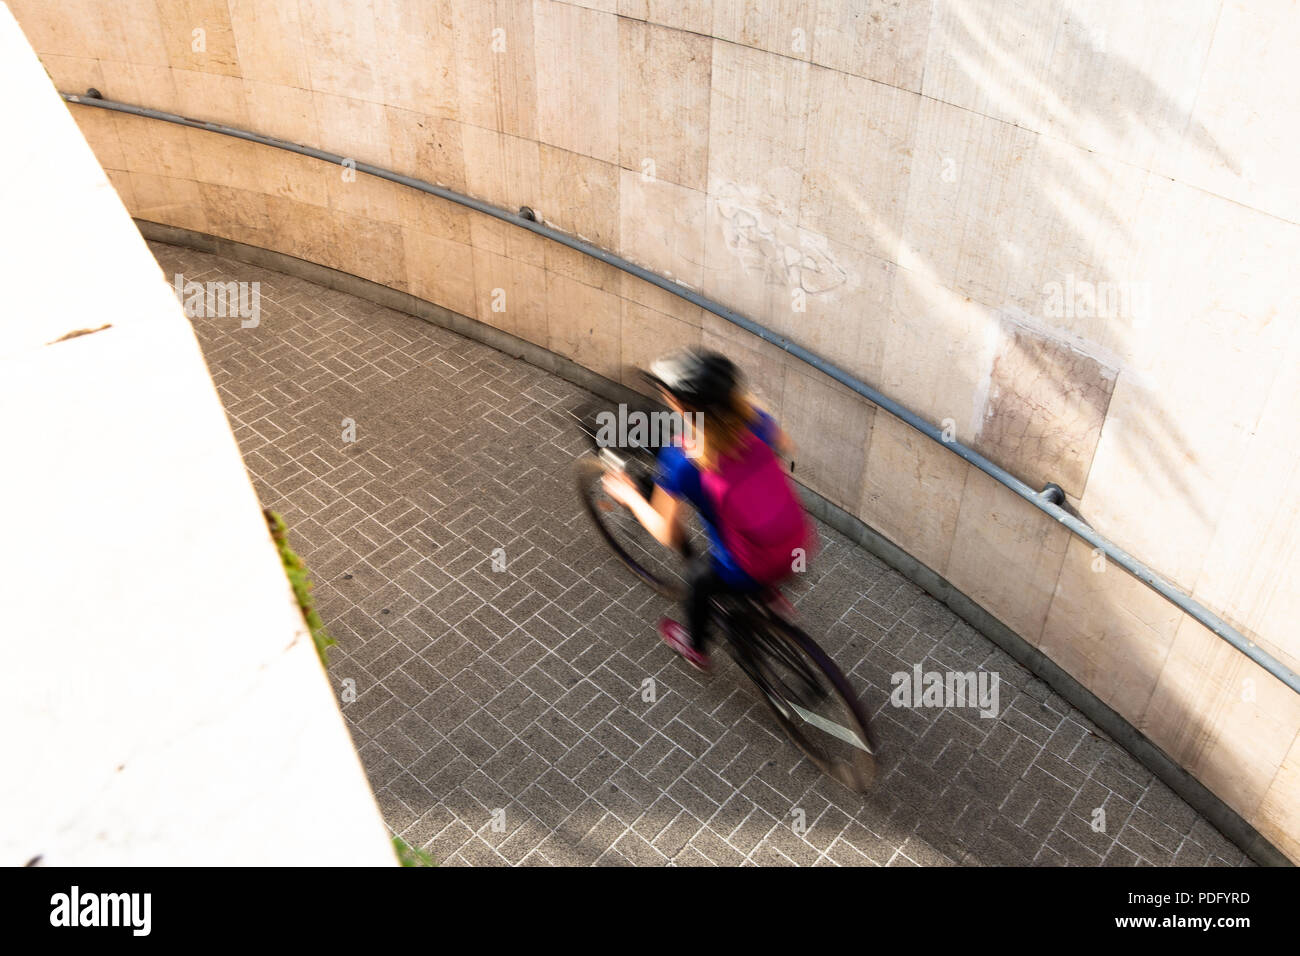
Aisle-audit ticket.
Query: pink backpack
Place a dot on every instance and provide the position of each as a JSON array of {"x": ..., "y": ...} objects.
[{"x": 760, "y": 519}]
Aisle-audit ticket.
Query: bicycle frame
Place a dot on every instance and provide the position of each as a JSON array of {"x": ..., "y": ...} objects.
[{"x": 741, "y": 624}]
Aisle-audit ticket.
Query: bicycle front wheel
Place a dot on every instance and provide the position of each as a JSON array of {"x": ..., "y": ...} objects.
[
  {"x": 662, "y": 568},
  {"x": 812, "y": 700}
]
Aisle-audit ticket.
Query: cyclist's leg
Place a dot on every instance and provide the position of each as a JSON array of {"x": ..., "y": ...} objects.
[
  {"x": 703, "y": 584},
  {"x": 705, "y": 581}
]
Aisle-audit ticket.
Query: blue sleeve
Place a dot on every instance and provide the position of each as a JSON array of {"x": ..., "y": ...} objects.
[
  {"x": 677, "y": 474},
  {"x": 669, "y": 473},
  {"x": 765, "y": 428}
]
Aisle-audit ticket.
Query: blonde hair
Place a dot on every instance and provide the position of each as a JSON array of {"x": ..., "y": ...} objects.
[{"x": 726, "y": 429}]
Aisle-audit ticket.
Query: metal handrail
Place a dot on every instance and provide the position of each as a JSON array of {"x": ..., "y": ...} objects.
[{"x": 1047, "y": 501}]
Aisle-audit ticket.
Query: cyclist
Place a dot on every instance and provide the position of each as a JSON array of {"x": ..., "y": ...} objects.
[{"x": 726, "y": 467}]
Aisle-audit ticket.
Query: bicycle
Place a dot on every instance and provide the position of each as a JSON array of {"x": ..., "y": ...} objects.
[{"x": 805, "y": 691}]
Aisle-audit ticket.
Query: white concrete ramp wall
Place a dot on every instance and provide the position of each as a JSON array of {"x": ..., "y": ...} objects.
[{"x": 164, "y": 703}]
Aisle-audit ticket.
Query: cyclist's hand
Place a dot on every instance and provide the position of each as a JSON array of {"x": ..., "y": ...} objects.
[{"x": 619, "y": 487}]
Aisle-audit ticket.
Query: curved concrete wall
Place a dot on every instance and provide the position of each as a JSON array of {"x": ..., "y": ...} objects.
[{"x": 1066, "y": 235}]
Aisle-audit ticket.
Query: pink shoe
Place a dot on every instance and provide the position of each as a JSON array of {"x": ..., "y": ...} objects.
[{"x": 675, "y": 636}]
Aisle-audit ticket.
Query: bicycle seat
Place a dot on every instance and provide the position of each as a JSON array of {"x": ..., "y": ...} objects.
[
  {"x": 769, "y": 597},
  {"x": 776, "y": 601}
]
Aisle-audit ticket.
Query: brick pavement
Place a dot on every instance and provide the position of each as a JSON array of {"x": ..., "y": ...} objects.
[{"x": 500, "y": 713}]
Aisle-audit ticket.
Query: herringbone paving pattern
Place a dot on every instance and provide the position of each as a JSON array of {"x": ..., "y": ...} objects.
[{"x": 493, "y": 661}]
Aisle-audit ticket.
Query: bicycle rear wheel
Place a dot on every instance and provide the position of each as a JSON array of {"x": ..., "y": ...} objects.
[
  {"x": 810, "y": 698},
  {"x": 662, "y": 568}
]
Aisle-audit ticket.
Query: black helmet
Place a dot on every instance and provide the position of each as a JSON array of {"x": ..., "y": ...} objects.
[{"x": 696, "y": 378}]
